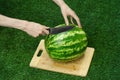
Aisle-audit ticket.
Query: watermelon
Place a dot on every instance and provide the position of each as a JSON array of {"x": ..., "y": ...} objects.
[{"x": 66, "y": 46}]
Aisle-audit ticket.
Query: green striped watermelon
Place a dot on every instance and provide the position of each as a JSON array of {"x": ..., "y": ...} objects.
[{"x": 66, "y": 46}]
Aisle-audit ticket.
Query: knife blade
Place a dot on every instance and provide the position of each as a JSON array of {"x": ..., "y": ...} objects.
[{"x": 59, "y": 29}]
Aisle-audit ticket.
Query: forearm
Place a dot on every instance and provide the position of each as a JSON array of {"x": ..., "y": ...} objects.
[
  {"x": 59, "y": 2},
  {"x": 12, "y": 22}
]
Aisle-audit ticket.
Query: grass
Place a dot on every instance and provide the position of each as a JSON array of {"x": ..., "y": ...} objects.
[{"x": 100, "y": 19}]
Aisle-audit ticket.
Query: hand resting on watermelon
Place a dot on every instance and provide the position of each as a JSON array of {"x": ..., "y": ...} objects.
[
  {"x": 66, "y": 11},
  {"x": 32, "y": 28}
]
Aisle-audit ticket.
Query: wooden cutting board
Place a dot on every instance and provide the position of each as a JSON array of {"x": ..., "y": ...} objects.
[{"x": 79, "y": 67}]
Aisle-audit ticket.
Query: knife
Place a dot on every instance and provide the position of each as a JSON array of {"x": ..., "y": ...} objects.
[{"x": 59, "y": 29}]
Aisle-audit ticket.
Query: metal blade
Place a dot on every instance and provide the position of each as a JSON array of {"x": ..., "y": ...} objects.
[{"x": 59, "y": 29}]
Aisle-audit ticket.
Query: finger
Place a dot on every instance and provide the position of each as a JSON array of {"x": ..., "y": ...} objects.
[
  {"x": 42, "y": 33},
  {"x": 46, "y": 31},
  {"x": 35, "y": 35},
  {"x": 77, "y": 20},
  {"x": 66, "y": 20},
  {"x": 46, "y": 27},
  {"x": 42, "y": 26},
  {"x": 71, "y": 19}
]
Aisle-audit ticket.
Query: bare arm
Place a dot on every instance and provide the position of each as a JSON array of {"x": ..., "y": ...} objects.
[
  {"x": 66, "y": 11},
  {"x": 59, "y": 2},
  {"x": 12, "y": 22},
  {"x": 32, "y": 28}
]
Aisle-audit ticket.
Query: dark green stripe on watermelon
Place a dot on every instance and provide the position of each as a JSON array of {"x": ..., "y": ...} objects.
[
  {"x": 70, "y": 58},
  {"x": 66, "y": 46},
  {"x": 73, "y": 47},
  {"x": 56, "y": 53},
  {"x": 67, "y": 35}
]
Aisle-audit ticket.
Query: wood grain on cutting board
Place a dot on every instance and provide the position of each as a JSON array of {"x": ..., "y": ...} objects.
[{"x": 78, "y": 67}]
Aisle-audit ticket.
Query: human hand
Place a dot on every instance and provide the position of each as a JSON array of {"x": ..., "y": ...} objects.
[
  {"x": 32, "y": 28},
  {"x": 35, "y": 29},
  {"x": 66, "y": 11}
]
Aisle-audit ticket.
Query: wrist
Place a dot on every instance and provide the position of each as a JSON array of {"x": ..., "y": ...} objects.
[{"x": 59, "y": 2}]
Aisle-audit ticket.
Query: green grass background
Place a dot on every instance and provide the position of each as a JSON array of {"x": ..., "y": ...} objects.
[{"x": 99, "y": 18}]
